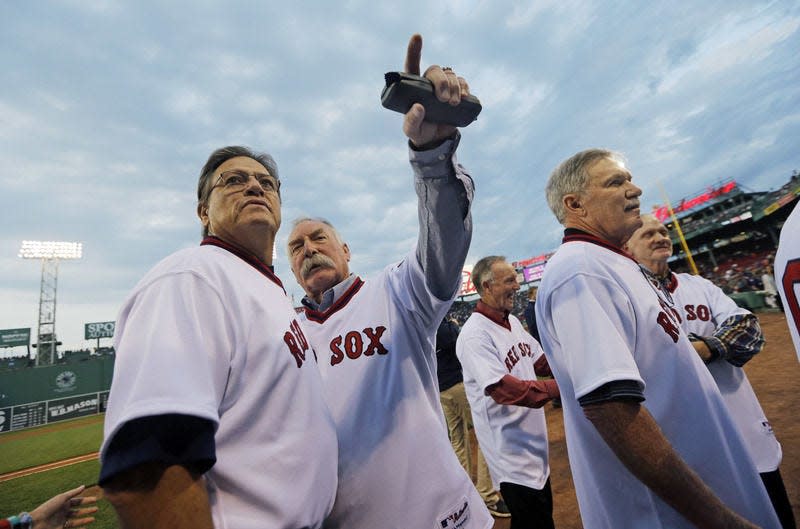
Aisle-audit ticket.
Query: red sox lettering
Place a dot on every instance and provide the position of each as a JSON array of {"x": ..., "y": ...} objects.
[
  {"x": 670, "y": 325},
  {"x": 296, "y": 340},
  {"x": 352, "y": 344},
  {"x": 697, "y": 312},
  {"x": 790, "y": 278},
  {"x": 512, "y": 357}
]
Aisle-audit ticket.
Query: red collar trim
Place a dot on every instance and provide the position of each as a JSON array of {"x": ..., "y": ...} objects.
[
  {"x": 339, "y": 304},
  {"x": 672, "y": 285},
  {"x": 245, "y": 256},
  {"x": 574, "y": 234},
  {"x": 500, "y": 317}
]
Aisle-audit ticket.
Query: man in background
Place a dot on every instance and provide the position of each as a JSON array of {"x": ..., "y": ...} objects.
[
  {"x": 501, "y": 362},
  {"x": 530, "y": 313},
  {"x": 725, "y": 337}
]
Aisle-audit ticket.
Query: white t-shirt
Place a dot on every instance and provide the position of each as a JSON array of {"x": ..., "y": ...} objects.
[
  {"x": 513, "y": 439},
  {"x": 600, "y": 320},
  {"x": 397, "y": 469},
  {"x": 206, "y": 334},
  {"x": 787, "y": 274},
  {"x": 702, "y": 306}
]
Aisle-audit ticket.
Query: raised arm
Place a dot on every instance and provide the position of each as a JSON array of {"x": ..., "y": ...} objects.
[{"x": 443, "y": 187}]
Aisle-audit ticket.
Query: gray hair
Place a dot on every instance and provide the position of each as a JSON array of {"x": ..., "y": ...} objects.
[
  {"x": 296, "y": 222},
  {"x": 482, "y": 271},
  {"x": 571, "y": 176},
  {"x": 222, "y": 155}
]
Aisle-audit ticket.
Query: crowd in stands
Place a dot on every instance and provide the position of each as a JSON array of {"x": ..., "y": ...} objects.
[
  {"x": 461, "y": 310},
  {"x": 738, "y": 272},
  {"x": 712, "y": 217},
  {"x": 13, "y": 362}
]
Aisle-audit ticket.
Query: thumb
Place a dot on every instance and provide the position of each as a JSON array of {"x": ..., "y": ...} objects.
[{"x": 412, "y": 124}]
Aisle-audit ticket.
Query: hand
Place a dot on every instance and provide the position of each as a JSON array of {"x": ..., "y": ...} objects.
[
  {"x": 543, "y": 391},
  {"x": 449, "y": 88},
  {"x": 703, "y": 351},
  {"x": 61, "y": 511}
]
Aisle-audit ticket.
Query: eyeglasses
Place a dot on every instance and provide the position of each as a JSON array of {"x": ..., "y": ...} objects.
[{"x": 236, "y": 180}]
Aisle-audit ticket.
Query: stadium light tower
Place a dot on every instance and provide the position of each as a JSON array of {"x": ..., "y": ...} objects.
[{"x": 50, "y": 253}]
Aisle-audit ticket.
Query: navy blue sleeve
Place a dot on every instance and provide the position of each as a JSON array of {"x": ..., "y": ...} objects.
[
  {"x": 530, "y": 319},
  {"x": 615, "y": 390},
  {"x": 171, "y": 439}
]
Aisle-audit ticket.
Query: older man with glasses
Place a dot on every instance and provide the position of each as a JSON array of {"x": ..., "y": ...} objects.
[{"x": 216, "y": 415}]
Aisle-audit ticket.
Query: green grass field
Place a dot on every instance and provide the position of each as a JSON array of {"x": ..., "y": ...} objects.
[
  {"x": 23, "y": 494},
  {"x": 52, "y": 442},
  {"x": 46, "y": 444}
]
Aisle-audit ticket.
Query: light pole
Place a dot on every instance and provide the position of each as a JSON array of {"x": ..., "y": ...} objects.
[{"x": 50, "y": 253}]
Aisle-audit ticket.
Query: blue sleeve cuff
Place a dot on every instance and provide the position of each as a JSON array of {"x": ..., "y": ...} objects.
[
  {"x": 171, "y": 439},
  {"x": 616, "y": 390}
]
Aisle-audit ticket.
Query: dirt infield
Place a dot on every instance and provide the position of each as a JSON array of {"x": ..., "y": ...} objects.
[{"x": 775, "y": 376}]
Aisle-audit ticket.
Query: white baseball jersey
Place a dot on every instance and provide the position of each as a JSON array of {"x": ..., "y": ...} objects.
[
  {"x": 513, "y": 439},
  {"x": 206, "y": 334},
  {"x": 602, "y": 321},
  {"x": 787, "y": 274},
  {"x": 376, "y": 352},
  {"x": 701, "y": 307}
]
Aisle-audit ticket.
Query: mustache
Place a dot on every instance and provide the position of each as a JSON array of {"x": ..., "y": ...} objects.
[{"x": 316, "y": 260}]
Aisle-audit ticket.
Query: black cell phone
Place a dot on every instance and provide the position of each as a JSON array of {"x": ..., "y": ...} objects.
[{"x": 404, "y": 89}]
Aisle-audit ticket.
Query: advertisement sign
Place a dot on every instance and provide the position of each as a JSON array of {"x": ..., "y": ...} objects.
[
  {"x": 778, "y": 204},
  {"x": 533, "y": 273},
  {"x": 15, "y": 337},
  {"x": 662, "y": 212},
  {"x": 71, "y": 407},
  {"x": 539, "y": 259},
  {"x": 28, "y": 415},
  {"x": 467, "y": 287},
  {"x": 102, "y": 329}
]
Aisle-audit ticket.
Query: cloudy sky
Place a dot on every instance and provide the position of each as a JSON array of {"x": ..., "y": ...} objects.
[{"x": 109, "y": 109}]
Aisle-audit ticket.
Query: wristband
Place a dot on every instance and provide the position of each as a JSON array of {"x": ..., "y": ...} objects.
[{"x": 23, "y": 521}]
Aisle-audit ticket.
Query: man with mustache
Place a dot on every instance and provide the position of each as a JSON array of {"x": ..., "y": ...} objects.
[
  {"x": 650, "y": 441},
  {"x": 725, "y": 337},
  {"x": 374, "y": 341}
]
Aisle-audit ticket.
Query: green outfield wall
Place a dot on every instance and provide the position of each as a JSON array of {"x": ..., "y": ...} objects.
[{"x": 40, "y": 395}]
